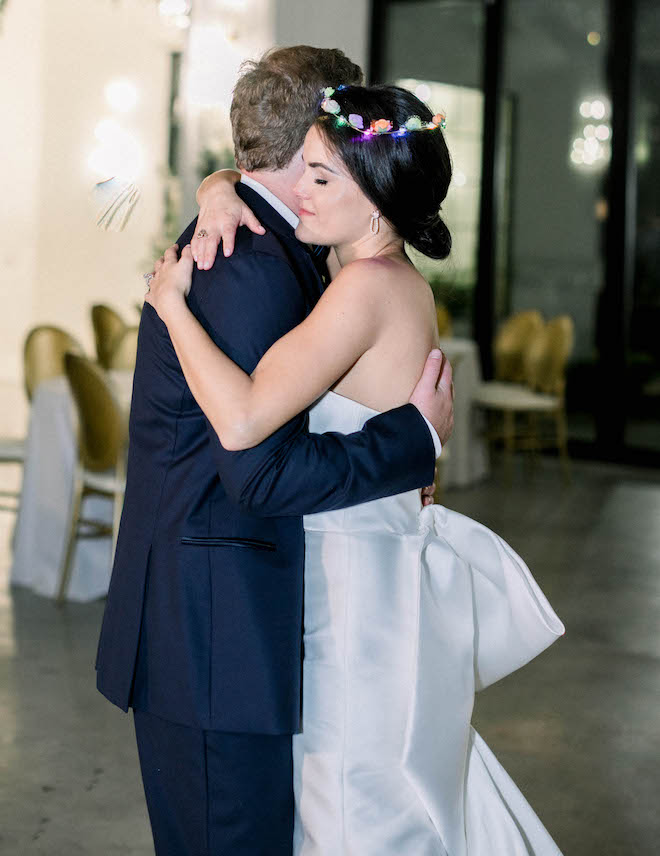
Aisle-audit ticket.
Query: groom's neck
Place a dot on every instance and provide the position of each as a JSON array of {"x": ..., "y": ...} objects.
[{"x": 280, "y": 182}]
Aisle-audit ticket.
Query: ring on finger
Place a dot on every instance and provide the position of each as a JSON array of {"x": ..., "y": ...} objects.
[{"x": 202, "y": 233}]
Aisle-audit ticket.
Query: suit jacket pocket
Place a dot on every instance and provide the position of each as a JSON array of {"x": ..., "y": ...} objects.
[{"x": 245, "y": 543}]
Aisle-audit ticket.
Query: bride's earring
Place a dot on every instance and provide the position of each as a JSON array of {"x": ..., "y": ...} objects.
[{"x": 375, "y": 222}]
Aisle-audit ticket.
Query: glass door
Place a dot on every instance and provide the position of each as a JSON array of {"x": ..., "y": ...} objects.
[
  {"x": 643, "y": 424},
  {"x": 436, "y": 50},
  {"x": 554, "y": 75}
]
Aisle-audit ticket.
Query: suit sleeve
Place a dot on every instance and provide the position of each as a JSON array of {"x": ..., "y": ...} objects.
[{"x": 245, "y": 304}]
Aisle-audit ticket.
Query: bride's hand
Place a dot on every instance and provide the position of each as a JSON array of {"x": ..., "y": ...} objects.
[
  {"x": 221, "y": 212},
  {"x": 428, "y": 493},
  {"x": 171, "y": 281}
]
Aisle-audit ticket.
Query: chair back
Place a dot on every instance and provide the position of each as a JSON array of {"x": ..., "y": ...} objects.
[
  {"x": 108, "y": 327},
  {"x": 511, "y": 341},
  {"x": 43, "y": 355},
  {"x": 547, "y": 355},
  {"x": 125, "y": 350},
  {"x": 444, "y": 320},
  {"x": 101, "y": 431}
]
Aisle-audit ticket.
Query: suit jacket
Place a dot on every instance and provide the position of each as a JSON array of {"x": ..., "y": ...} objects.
[{"x": 203, "y": 620}]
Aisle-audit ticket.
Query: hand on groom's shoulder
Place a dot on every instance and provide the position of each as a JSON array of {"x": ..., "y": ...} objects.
[{"x": 246, "y": 243}]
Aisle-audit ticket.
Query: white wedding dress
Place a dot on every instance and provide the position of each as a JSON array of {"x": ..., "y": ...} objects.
[{"x": 408, "y": 611}]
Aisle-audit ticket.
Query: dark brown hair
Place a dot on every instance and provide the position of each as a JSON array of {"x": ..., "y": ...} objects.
[
  {"x": 276, "y": 101},
  {"x": 406, "y": 176}
]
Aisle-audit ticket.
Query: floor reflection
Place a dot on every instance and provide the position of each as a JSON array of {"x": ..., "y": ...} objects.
[{"x": 578, "y": 729}]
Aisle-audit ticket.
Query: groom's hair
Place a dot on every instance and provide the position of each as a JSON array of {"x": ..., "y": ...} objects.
[{"x": 276, "y": 100}]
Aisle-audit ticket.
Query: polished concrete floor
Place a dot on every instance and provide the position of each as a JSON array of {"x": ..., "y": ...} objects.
[{"x": 578, "y": 729}]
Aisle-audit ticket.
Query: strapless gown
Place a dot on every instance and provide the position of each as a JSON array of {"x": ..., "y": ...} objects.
[{"x": 408, "y": 611}]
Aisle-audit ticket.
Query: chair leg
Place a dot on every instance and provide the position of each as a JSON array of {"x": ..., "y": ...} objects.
[
  {"x": 533, "y": 441},
  {"x": 509, "y": 442},
  {"x": 71, "y": 537},
  {"x": 118, "y": 503},
  {"x": 562, "y": 445},
  {"x": 489, "y": 434},
  {"x": 14, "y": 497}
]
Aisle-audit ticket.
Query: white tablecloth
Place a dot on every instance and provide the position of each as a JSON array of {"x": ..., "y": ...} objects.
[
  {"x": 43, "y": 516},
  {"x": 467, "y": 461}
]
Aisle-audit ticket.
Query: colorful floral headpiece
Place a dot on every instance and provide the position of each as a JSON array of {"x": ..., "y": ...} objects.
[{"x": 378, "y": 127}]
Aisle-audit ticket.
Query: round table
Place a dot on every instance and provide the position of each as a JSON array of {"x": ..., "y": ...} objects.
[
  {"x": 467, "y": 459},
  {"x": 41, "y": 526}
]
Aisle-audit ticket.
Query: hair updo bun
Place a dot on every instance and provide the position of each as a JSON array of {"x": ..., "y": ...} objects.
[
  {"x": 433, "y": 241},
  {"x": 406, "y": 177}
]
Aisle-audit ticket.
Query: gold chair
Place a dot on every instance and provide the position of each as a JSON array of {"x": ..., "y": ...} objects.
[
  {"x": 540, "y": 396},
  {"x": 100, "y": 468},
  {"x": 43, "y": 355},
  {"x": 43, "y": 358},
  {"x": 108, "y": 327},
  {"x": 511, "y": 341},
  {"x": 124, "y": 351},
  {"x": 444, "y": 321}
]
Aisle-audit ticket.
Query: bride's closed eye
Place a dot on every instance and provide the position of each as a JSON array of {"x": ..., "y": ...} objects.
[{"x": 320, "y": 181}]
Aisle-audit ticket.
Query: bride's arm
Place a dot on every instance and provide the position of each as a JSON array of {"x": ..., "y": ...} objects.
[
  {"x": 245, "y": 409},
  {"x": 221, "y": 213}
]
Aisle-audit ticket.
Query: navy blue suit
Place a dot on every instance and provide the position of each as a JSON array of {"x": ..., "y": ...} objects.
[{"x": 203, "y": 621}]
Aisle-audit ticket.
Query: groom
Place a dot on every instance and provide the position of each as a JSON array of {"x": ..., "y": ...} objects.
[{"x": 203, "y": 623}]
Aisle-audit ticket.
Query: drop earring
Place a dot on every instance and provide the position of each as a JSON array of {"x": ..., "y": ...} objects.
[{"x": 375, "y": 222}]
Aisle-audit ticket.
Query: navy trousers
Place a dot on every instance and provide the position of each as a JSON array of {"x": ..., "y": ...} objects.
[{"x": 212, "y": 793}]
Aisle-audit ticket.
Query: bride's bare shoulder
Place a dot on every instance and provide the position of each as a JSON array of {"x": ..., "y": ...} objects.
[{"x": 379, "y": 271}]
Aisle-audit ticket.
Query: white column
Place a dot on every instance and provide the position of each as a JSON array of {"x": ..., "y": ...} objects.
[
  {"x": 223, "y": 34},
  {"x": 340, "y": 24}
]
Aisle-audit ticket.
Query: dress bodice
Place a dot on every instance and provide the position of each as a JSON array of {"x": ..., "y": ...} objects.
[{"x": 334, "y": 412}]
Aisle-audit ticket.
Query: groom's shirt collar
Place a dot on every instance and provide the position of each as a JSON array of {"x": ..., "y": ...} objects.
[{"x": 282, "y": 209}]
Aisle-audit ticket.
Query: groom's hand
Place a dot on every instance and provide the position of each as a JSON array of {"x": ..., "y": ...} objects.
[{"x": 434, "y": 394}]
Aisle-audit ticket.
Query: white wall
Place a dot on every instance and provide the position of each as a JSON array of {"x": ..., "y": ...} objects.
[
  {"x": 84, "y": 49},
  {"x": 55, "y": 60},
  {"x": 20, "y": 145}
]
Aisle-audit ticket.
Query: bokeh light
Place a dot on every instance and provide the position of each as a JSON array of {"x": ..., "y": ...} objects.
[
  {"x": 119, "y": 153},
  {"x": 121, "y": 94},
  {"x": 172, "y": 8}
]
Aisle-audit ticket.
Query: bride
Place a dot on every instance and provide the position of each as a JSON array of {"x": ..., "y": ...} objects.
[{"x": 408, "y": 610}]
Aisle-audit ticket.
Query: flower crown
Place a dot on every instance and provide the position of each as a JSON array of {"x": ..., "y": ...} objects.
[{"x": 378, "y": 127}]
